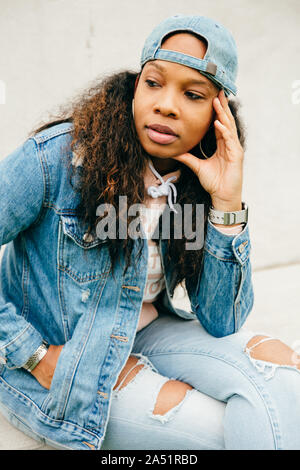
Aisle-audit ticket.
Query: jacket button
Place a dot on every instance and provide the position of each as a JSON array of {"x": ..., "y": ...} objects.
[{"x": 88, "y": 237}]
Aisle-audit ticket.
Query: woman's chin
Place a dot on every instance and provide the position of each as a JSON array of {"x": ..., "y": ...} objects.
[{"x": 162, "y": 152}]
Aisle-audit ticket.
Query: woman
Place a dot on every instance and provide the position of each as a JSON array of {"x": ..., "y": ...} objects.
[{"x": 95, "y": 354}]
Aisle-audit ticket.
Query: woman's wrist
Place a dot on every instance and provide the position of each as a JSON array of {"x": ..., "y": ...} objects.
[
  {"x": 227, "y": 206},
  {"x": 230, "y": 229},
  {"x": 44, "y": 370},
  {"x": 36, "y": 357}
]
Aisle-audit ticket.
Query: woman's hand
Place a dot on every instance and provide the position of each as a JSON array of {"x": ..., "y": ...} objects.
[
  {"x": 44, "y": 371},
  {"x": 221, "y": 175}
]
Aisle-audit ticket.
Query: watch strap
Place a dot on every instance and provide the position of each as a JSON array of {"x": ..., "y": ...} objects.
[
  {"x": 36, "y": 357},
  {"x": 229, "y": 218}
]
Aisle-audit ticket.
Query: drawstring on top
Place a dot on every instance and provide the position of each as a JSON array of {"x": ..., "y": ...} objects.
[{"x": 165, "y": 189}]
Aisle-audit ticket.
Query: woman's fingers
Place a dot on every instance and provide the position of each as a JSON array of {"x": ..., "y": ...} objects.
[
  {"x": 190, "y": 160},
  {"x": 225, "y": 140},
  {"x": 221, "y": 114},
  {"x": 224, "y": 103},
  {"x": 223, "y": 111}
]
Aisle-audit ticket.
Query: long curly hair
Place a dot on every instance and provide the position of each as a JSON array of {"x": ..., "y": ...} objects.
[{"x": 114, "y": 162}]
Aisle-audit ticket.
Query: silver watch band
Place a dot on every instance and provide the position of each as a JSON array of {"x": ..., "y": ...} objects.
[
  {"x": 36, "y": 357},
  {"x": 229, "y": 218}
]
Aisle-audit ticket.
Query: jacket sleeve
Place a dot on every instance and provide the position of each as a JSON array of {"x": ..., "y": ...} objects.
[
  {"x": 21, "y": 201},
  {"x": 222, "y": 296}
]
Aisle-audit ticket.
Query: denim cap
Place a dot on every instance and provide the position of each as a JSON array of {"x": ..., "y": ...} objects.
[{"x": 220, "y": 63}]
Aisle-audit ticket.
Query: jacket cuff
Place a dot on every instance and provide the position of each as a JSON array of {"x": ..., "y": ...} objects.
[
  {"x": 16, "y": 353},
  {"x": 234, "y": 248}
]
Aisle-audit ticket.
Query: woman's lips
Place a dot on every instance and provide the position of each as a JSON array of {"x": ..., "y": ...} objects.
[{"x": 159, "y": 137}]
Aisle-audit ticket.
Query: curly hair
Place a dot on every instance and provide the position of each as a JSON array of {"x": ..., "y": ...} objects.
[{"x": 113, "y": 163}]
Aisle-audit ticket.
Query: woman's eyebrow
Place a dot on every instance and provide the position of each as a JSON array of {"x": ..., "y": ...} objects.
[{"x": 191, "y": 81}]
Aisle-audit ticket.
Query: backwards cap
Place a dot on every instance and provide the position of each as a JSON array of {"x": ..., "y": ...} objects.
[{"x": 220, "y": 63}]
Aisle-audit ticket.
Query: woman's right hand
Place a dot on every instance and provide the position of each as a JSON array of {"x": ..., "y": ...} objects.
[{"x": 44, "y": 371}]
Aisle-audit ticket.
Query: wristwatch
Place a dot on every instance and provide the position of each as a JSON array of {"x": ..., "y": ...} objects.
[
  {"x": 229, "y": 218},
  {"x": 36, "y": 357}
]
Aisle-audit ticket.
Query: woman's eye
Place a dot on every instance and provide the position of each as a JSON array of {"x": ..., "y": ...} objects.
[
  {"x": 151, "y": 83},
  {"x": 193, "y": 96}
]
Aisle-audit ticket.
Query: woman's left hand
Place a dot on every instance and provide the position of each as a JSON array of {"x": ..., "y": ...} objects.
[{"x": 221, "y": 175}]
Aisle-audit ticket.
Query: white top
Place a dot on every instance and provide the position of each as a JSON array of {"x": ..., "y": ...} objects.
[
  {"x": 160, "y": 191},
  {"x": 155, "y": 280}
]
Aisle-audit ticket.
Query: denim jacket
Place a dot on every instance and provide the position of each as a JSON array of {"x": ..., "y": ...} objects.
[{"x": 55, "y": 285}]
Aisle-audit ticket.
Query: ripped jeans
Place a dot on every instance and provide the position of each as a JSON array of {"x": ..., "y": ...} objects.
[{"x": 244, "y": 394}]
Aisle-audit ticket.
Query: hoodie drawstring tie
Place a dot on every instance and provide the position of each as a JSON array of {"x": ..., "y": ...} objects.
[{"x": 165, "y": 189}]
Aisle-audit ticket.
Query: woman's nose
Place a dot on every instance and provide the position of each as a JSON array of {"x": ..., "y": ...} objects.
[{"x": 166, "y": 105}]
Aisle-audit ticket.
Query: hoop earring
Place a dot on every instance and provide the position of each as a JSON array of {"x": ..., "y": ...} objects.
[
  {"x": 205, "y": 156},
  {"x": 133, "y": 107}
]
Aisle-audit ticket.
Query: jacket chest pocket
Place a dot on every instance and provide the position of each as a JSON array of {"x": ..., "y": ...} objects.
[
  {"x": 83, "y": 257},
  {"x": 83, "y": 268}
]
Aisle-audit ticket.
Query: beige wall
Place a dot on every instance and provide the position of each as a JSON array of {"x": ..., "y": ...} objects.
[{"x": 51, "y": 49}]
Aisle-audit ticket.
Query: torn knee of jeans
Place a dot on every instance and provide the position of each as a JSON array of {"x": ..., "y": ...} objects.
[
  {"x": 129, "y": 376},
  {"x": 267, "y": 354},
  {"x": 170, "y": 398}
]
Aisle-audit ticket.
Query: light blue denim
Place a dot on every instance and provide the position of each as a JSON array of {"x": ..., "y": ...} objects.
[
  {"x": 56, "y": 286},
  {"x": 237, "y": 403},
  {"x": 244, "y": 404},
  {"x": 220, "y": 62}
]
